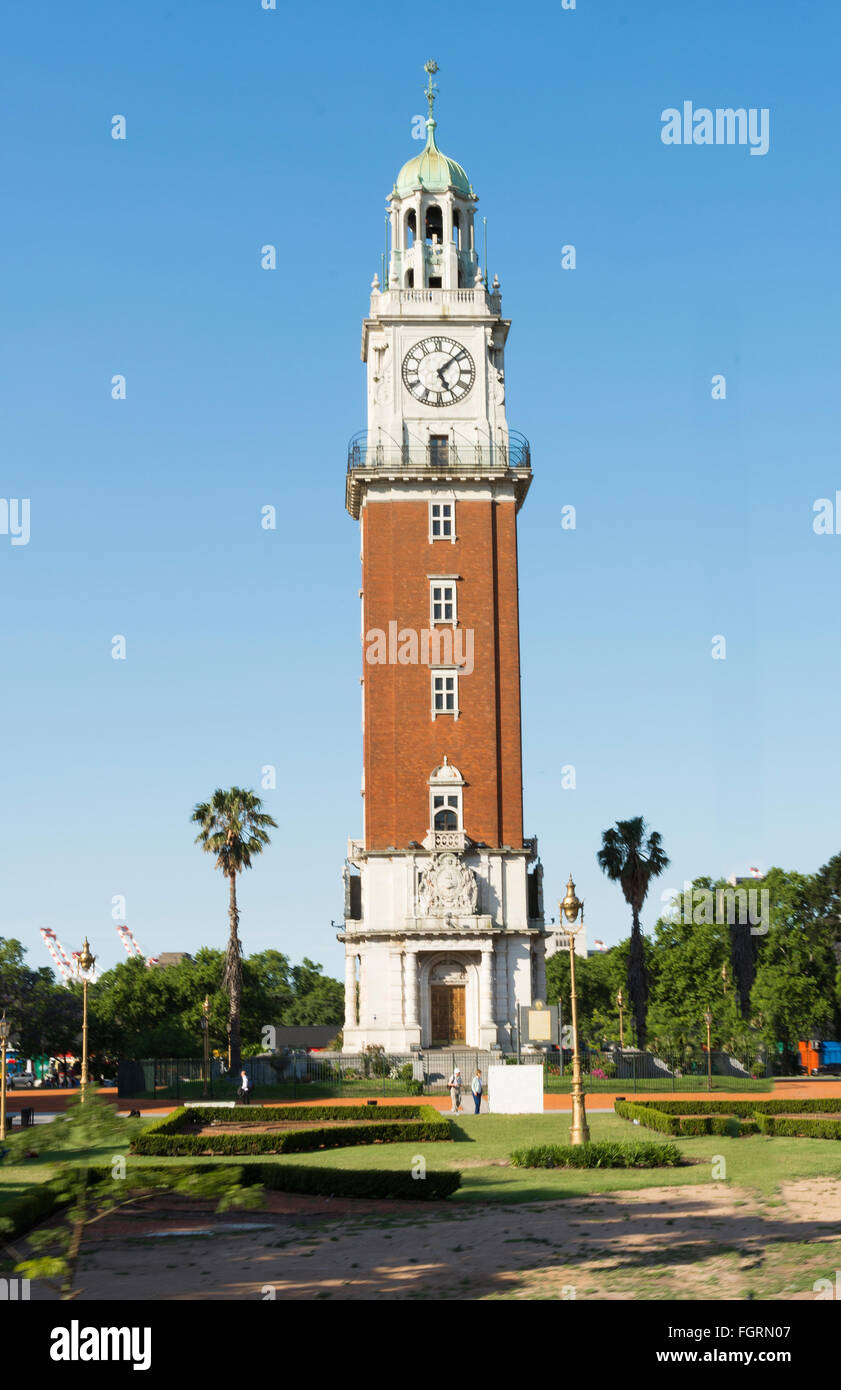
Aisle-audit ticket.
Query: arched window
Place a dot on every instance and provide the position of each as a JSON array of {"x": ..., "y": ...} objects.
[
  {"x": 457, "y": 228},
  {"x": 411, "y": 228},
  {"x": 410, "y": 280},
  {"x": 446, "y": 820},
  {"x": 434, "y": 223}
]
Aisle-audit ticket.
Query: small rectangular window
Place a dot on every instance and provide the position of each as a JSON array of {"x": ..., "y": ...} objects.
[
  {"x": 441, "y": 521},
  {"x": 445, "y": 811},
  {"x": 444, "y": 693},
  {"x": 442, "y": 602}
]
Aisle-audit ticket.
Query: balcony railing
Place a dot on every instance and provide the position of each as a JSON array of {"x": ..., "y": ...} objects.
[
  {"x": 440, "y": 456},
  {"x": 419, "y": 301}
]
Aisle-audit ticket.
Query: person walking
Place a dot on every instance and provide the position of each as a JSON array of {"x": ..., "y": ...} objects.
[
  {"x": 245, "y": 1088},
  {"x": 454, "y": 1084},
  {"x": 477, "y": 1088}
]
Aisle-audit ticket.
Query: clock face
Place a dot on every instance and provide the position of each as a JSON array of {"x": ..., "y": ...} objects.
[{"x": 438, "y": 371}]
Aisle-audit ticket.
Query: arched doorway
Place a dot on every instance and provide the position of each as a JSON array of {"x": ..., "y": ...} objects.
[{"x": 447, "y": 1004}]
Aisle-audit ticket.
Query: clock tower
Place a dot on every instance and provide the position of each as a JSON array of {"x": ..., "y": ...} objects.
[{"x": 444, "y": 933}]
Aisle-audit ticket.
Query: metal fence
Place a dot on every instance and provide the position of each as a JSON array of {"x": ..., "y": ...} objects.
[{"x": 299, "y": 1075}]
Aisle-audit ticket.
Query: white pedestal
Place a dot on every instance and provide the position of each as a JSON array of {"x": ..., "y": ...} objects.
[{"x": 515, "y": 1090}]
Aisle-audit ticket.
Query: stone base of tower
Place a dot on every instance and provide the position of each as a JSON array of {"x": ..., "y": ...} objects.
[
  {"x": 454, "y": 970},
  {"x": 440, "y": 989}
]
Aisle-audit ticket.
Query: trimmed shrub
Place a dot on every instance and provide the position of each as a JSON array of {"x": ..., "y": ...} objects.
[
  {"x": 744, "y": 1109},
  {"x": 175, "y": 1136},
  {"x": 324, "y": 1182},
  {"x": 598, "y": 1155},
  {"x": 799, "y": 1128},
  {"x": 360, "y": 1182},
  {"x": 652, "y": 1119},
  {"x": 258, "y": 1114},
  {"x": 27, "y": 1209},
  {"x": 690, "y": 1125}
]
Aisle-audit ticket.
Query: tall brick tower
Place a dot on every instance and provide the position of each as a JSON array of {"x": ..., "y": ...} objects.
[{"x": 444, "y": 933}]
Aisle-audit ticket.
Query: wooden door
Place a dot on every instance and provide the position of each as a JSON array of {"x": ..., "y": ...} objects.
[{"x": 448, "y": 1014}]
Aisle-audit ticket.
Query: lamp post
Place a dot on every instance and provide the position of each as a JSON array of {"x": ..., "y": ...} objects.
[
  {"x": 4, "y": 1041},
  {"x": 571, "y": 907},
  {"x": 205, "y": 1010},
  {"x": 86, "y": 964},
  {"x": 620, "y": 1001},
  {"x": 708, "y": 1019}
]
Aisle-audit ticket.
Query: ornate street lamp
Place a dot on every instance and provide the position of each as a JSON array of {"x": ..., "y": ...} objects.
[
  {"x": 571, "y": 907},
  {"x": 620, "y": 1001},
  {"x": 5, "y": 1029},
  {"x": 205, "y": 1011},
  {"x": 86, "y": 965},
  {"x": 708, "y": 1019}
]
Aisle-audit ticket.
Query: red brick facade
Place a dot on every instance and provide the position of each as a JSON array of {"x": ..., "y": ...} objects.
[{"x": 403, "y": 743}]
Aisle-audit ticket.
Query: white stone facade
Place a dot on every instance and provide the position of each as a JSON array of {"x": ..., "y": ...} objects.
[{"x": 404, "y": 944}]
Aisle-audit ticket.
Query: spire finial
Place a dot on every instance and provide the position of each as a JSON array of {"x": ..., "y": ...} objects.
[{"x": 431, "y": 88}]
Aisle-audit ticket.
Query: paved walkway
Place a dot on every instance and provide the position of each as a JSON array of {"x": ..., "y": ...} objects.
[{"x": 805, "y": 1088}]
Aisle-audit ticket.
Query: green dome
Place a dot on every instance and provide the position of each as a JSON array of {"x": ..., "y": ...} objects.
[{"x": 432, "y": 170}]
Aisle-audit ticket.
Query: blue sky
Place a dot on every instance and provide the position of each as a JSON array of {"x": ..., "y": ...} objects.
[{"x": 694, "y": 516}]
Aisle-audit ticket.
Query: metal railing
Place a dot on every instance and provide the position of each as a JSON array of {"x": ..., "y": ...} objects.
[
  {"x": 296, "y": 1075},
  {"x": 440, "y": 457}
]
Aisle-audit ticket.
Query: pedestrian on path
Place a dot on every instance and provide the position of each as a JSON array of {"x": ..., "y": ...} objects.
[
  {"x": 454, "y": 1084},
  {"x": 245, "y": 1088},
  {"x": 477, "y": 1088}
]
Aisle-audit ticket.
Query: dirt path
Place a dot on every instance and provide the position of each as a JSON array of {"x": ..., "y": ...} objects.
[{"x": 704, "y": 1242}]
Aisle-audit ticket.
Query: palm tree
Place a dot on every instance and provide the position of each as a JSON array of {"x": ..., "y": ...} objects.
[
  {"x": 233, "y": 827},
  {"x": 632, "y": 861}
]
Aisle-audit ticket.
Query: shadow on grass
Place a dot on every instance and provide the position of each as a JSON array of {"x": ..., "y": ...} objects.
[{"x": 460, "y": 1134}]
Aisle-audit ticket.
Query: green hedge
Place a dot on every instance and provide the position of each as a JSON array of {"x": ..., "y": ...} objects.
[
  {"x": 744, "y": 1109},
  {"x": 599, "y": 1155},
  {"x": 324, "y": 1182},
  {"x": 171, "y": 1136},
  {"x": 652, "y": 1119},
  {"x": 27, "y": 1209},
  {"x": 798, "y": 1128},
  {"x": 689, "y": 1126},
  {"x": 360, "y": 1182},
  {"x": 185, "y": 1115}
]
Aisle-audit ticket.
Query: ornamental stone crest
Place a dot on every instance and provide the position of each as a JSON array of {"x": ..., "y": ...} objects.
[{"x": 447, "y": 886}]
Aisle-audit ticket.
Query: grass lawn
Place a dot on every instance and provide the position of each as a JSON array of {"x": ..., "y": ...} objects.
[
  {"x": 748, "y": 1242},
  {"x": 481, "y": 1143}
]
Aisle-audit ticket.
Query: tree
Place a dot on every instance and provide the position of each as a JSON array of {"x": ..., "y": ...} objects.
[
  {"x": 794, "y": 996},
  {"x": 631, "y": 860},
  {"x": 317, "y": 998},
  {"x": 598, "y": 979},
  {"x": 234, "y": 830},
  {"x": 690, "y": 956},
  {"x": 44, "y": 1015}
]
